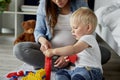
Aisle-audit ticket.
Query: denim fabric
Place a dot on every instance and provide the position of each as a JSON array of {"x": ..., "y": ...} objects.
[
  {"x": 84, "y": 73},
  {"x": 42, "y": 28}
]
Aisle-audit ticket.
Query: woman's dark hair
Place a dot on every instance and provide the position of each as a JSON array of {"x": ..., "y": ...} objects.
[{"x": 51, "y": 13}]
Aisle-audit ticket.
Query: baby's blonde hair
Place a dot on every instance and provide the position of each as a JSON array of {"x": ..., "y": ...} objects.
[{"x": 85, "y": 16}]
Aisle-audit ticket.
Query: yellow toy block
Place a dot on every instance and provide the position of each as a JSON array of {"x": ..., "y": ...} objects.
[{"x": 39, "y": 75}]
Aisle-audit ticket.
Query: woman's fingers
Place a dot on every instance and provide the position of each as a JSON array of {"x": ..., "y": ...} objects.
[{"x": 61, "y": 62}]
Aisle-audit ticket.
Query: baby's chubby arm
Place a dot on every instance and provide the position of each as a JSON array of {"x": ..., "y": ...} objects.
[
  {"x": 49, "y": 52},
  {"x": 67, "y": 50}
]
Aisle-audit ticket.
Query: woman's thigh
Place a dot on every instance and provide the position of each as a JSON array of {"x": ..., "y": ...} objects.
[{"x": 29, "y": 52}]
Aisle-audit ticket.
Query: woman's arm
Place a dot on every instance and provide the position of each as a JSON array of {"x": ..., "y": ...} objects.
[{"x": 40, "y": 28}]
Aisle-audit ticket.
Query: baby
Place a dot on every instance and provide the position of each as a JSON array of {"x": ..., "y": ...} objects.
[{"x": 88, "y": 65}]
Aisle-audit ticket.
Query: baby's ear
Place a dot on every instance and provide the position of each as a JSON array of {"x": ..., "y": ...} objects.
[{"x": 89, "y": 28}]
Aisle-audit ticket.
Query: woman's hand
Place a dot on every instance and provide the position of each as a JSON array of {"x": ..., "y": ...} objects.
[
  {"x": 45, "y": 44},
  {"x": 61, "y": 62}
]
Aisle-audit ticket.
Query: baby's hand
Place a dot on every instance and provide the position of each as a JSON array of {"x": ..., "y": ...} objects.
[{"x": 48, "y": 52}]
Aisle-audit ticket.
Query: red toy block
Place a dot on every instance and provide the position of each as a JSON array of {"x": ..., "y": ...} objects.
[
  {"x": 48, "y": 62},
  {"x": 11, "y": 74},
  {"x": 72, "y": 58},
  {"x": 20, "y": 73}
]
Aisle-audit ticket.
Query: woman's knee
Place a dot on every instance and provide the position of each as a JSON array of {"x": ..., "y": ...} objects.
[
  {"x": 22, "y": 47},
  {"x": 17, "y": 49},
  {"x": 105, "y": 54}
]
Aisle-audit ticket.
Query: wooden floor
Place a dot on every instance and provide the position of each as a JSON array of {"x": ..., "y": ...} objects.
[
  {"x": 112, "y": 68},
  {"x": 8, "y": 61}
]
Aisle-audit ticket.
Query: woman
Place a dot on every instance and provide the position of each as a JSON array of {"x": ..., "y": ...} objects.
[{"x": 52, "y": 30}]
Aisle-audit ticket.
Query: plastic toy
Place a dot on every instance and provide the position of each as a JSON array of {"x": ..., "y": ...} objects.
[
  {"x": 11, "y": 74},
  {"x": 39, "y": 75},
  {"x": 26, "y": 72},
  {"x": 48, "y": 62},
  {"x": 72, "y": 58},
  {"x": 14, "y": 78},
  {"x": 20, "y": 73},
  {"x": 42, "y": 74},
  {"x": 17, "y": 74}
]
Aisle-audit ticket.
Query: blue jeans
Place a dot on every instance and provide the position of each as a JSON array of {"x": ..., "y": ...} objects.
[{"x": 83, "y": 73}]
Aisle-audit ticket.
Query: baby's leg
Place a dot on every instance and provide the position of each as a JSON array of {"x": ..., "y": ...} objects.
[{"x": 62, "y": 75}]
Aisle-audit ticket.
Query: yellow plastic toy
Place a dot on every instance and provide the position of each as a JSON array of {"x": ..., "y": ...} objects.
[
  {"x": 42, "y": 74},
  {"x": 39, "y": 75}
]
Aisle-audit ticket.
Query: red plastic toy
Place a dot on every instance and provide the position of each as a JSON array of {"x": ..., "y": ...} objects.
[
  {"x": 72, "y": 58},
  {"x": 48, "y": 62},
  {"x": 20, "y": 73},
  {"x": 11, "y": 74},
  {"x": 17, "y": 74}
]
